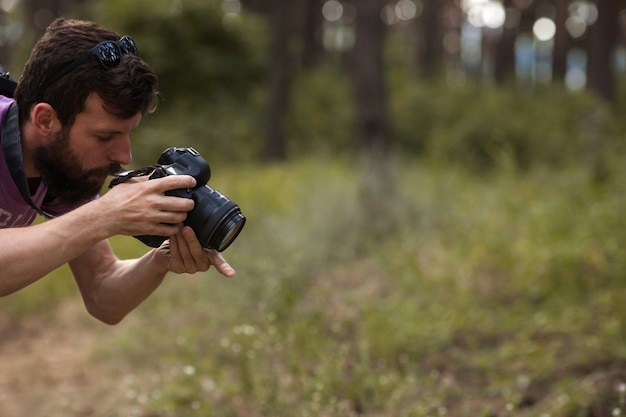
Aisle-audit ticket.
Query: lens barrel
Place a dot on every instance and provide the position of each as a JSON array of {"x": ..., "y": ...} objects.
[{"x": 216, "y": 220}]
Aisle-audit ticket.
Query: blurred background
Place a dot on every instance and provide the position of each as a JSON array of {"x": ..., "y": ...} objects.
[{"x": 434, "y": 191}]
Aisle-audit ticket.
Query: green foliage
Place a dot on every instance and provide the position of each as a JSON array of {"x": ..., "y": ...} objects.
[
  {"x": 321, "y": 112},
  {"x": 212, "y": 69},
  {"x": 499, "y": 295},
  {"x": 195, "y": 56},
  {"x": 491, "y": 291},
  {"x": 483, "y": 127},
  {"x": 223, "y": 131}
]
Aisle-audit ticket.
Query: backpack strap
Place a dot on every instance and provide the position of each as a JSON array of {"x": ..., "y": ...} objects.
[{"x": 12, "y": 148}]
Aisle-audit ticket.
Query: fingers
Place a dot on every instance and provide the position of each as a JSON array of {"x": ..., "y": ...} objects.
[
  {"x": 188, "y": 256},
  {"x": 173, "y": 205},
  {"x": 172, "y": 182},
  {"x": 143, "y": 208},
  {"x": 218, "y": 261}
]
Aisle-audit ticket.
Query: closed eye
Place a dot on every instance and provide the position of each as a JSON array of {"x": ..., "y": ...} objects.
[{"x": 104, "y": 138}]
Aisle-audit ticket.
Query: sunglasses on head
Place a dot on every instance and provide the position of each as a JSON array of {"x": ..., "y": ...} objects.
[{"x": 109, "y": 54}]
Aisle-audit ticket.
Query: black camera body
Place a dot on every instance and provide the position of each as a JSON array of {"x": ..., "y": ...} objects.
[{"x": 216, "y": 220}]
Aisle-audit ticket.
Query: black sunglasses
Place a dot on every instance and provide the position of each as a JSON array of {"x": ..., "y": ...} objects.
[{"x": 109, "y": 54}]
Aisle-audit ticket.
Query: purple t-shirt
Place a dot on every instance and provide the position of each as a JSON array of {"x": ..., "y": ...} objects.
[{"x": 14, "y": 211}]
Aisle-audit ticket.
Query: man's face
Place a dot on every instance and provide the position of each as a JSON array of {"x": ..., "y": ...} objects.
[{"x": 76, "y": 163}]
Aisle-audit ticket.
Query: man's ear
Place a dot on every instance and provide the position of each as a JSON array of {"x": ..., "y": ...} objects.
[{"x": 44, "y": 119}]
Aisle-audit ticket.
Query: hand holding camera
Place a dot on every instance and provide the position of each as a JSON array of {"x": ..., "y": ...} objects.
[{"x": 216, "y": 220}]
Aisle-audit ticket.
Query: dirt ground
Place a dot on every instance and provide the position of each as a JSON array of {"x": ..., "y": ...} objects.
[{"x": 49, "y": 367}]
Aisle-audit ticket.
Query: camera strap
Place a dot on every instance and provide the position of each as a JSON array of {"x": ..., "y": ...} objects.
[
  {"x": 12, "y": 148},
  {"x": 141, "y": 172}
]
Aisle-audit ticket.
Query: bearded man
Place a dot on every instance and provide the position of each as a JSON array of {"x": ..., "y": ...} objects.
[{"x": 83, "y": 91}]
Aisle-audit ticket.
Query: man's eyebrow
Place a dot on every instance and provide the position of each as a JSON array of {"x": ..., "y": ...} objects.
[{"x": 107, "y": 132}]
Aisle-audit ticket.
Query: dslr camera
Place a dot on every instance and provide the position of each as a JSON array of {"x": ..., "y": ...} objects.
[{"x": 216, "y": 220}]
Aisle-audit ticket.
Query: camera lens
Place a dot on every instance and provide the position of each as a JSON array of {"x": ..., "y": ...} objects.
[
  {"x": 216, "y": 220},
  {"x": 229, "y": 229}
]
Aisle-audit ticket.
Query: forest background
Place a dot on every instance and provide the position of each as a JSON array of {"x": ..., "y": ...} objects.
[{"x": 435, "y": 199}]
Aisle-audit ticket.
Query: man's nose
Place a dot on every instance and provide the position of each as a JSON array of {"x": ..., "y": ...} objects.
[{"x": 121, "y": 151}]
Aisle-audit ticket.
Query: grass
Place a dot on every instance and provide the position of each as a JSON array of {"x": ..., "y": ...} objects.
[{"x": 490, "y": 295}]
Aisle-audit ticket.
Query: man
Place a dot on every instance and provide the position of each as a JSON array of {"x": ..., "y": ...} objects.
[{"x": 82, "y": 91}]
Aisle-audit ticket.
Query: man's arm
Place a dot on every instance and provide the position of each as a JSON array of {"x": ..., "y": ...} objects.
[
  {"x": 29, "y": 253},
  {"x": 112, "y": 288}
]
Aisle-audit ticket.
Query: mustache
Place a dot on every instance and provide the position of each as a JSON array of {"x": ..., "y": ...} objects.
[{"x": 108, "y": 170}]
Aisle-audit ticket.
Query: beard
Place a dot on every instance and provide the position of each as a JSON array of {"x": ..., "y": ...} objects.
[{"x": 62, "y": 172}]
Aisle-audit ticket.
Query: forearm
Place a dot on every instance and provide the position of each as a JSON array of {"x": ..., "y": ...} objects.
[
  {"x": 119, "y": 286},
  {"x": 27, "y": 254},
  {"x": 111, "y": 288}
]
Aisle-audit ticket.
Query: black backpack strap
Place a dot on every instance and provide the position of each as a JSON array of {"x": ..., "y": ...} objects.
[
  {"x": 12, "y": 148},
  {"x": 7, "y": 85}
]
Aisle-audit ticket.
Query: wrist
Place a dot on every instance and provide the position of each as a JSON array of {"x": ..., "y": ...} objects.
[{"x": 159, "y": 261}]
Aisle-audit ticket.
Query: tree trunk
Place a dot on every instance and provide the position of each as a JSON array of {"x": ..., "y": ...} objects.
[
  {"x": 559, "y": 53},
  {"x": 280, "y": 81},
  {"x": 312, "y": 49},
  {"x": 369, "y": 85},
  {"x": 430, "y": 54},
  {"x": 504, "y": 65},
  {"x": 602, "y": 37},
  {"x": 376, "y": 188}
]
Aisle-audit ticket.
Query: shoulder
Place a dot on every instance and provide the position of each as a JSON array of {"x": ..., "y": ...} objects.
[{"x": 8, "y": 114}]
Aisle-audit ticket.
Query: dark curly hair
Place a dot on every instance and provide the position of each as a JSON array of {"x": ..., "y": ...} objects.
[{"x": 126, "y": 89}]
